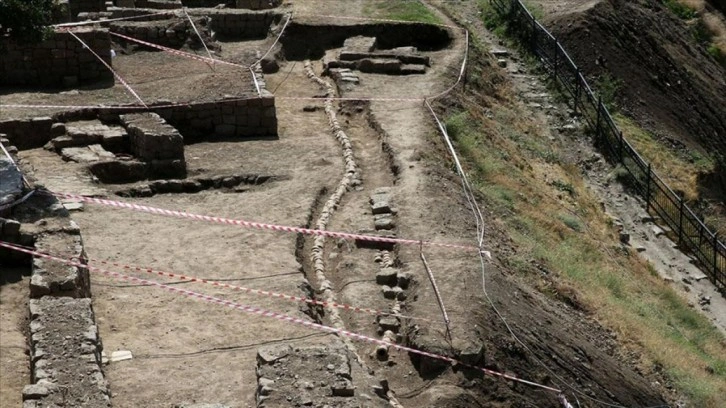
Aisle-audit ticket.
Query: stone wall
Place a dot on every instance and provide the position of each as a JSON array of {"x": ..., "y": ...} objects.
[
  {"x": 65, "y": 347},
  {"x": 257, "y": 4},
  {"x": 173, "y": 33},
  {"x": 65, "y": 351},
  {"x": 159, "y": 4},
  {"x": 27, "y": 133},
  {"x": 231, "y": 24},
  {"x": 59, "y": 61},
  {"x": 226, "y": 118},
  {"x": 236, "y": 116},
  {"x": 79, "y": 6},
  {"x": 240, "y": 24}
]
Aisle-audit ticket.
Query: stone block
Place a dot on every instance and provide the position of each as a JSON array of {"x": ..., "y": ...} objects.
[
  {"x": 225, "y": 130},
  {"x": 360, "y": 44},
  {"x": 53, "y": 278},
  {"x": 152, "y": 138},
  {"x": 387, "y": 276},
  {"x": 380, "y": 66},
  {"x": 11, "y": 181},
  {"x": 119, "y": 171}
]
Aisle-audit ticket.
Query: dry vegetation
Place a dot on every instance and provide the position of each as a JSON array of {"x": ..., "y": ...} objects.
[
  {"x": 557, "y": 226},
  {"x": 713, "y": 22}
]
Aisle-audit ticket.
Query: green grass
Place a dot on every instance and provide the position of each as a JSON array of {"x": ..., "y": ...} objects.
[
  {"x": 717, "y": 53},
  {"x": 405, "y": 10},
  {"x": 608, "y": 87},
  {"x": 679, "y": 9}
]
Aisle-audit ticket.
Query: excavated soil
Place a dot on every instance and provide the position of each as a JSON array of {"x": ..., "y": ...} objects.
[{"x": 187, "y": 351}]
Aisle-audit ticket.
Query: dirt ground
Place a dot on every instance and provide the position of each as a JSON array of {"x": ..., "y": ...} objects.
[
  {"x": 190, "y": 351},
  {"x": 14, "y": 364}
]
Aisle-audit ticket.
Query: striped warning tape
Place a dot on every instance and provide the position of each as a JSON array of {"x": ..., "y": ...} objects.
[
  {"x": 279, "y": 316},
  {"x": 262, "y": 226},
  {"x": 126, "y": 85},
  {"x": 259, "y": 292},
  {"x": 207, "y": 60},
  {"x": 110, "y": 20}
]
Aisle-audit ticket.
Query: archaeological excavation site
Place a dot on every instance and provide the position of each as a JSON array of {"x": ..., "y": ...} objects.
[{"x": 265, "y": 203}]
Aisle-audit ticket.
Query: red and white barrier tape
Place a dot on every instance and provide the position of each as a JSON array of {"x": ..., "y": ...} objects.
[
  {"x": 289, "y": 17},
  {"x": 207, "y": 60},
  {"x": 261, "y": 226},
  {"x": 278, "y": 316},
  {"x": 259, "y": 292},
  {"x": 107, "y": 66},
  {"x": 194, "y": 26},
  {"x": 110, "y": 20}
]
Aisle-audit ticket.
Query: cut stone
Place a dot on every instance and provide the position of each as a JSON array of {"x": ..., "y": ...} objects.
[
  {"x": 387, "y": 276},
  {"x": 270, "y": 354},
  {"x": 384, "y": 222},
  {"x": 360, "y": 44},
  {"x": 413, "y": 69},
  {"x": 404, "y": 279},
  {"x": 389, "y": 323},
  {"x": 11, "y": 181},
  {"x": 120, "y": 355},
  {"x": 343, "y": 388}
]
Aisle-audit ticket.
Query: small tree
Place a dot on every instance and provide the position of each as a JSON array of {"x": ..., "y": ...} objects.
[{"x": 25, "y": 20}]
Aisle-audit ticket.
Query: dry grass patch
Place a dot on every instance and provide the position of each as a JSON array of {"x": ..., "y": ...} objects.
[
  {"x": 567, "y": 233},
  {"x": 679, "y": 170}
]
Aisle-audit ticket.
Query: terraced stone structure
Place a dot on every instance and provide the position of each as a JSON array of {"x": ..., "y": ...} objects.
[{"x": 59, "y": 61}]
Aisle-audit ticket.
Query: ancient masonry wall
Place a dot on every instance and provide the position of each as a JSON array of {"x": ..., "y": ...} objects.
[
  {"x": 60, "y": 61},
  {"x": 243, "y": 116},
  {"x": 65, "y": 348},
  {"x": 169, "y": 33},
  {"x": 237, "y": 24},
  {"x": 79, "y": 6}
]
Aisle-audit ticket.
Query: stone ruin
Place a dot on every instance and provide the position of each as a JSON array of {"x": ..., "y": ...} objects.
[
  {"x": 59, "y": 61},
  {"x": 65, "y": 347},
  {"x": 360, "y": 53}
]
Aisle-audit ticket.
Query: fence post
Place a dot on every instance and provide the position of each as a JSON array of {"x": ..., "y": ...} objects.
[
  {"x": 578, "y": 87},
  {"x": 534, "y": 36},
  {"x": 680, "y": 223},
  {"x": 557, "y": 52},
  {"x": 620, "y": 146},
  {"x": 647, "y": 190},
  {"x": 715, "y": 253},
  {"x": 597, "y": 121}
]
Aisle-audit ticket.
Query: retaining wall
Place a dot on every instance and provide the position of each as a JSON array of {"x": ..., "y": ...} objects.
[
  {"x": 65, "y": 347},
  {"x": 236, "y": 116},
  {"x": 60, "y": 61},
  {"x": 65, "y": 351},
  {"x": 78, "y": 6},
  {"x": 172, "y": 33},
  {"x": 233, "y": 24}
]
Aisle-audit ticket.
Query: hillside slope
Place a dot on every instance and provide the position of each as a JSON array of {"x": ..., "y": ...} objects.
[{"x": 667, "y": 80}]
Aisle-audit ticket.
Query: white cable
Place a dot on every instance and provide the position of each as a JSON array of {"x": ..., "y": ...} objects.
[
  {"x": 109, "y": 67},
  {"x": 199, "y": 35}
]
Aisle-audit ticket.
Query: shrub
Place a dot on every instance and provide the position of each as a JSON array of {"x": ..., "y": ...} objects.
[{"x": 25, "y": 20}]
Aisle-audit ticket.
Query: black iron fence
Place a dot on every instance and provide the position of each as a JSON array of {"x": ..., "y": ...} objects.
[{"x": 693, "y": 236}]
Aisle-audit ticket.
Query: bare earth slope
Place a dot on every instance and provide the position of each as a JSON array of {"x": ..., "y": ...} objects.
[{"x": 669, "y": 83}]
